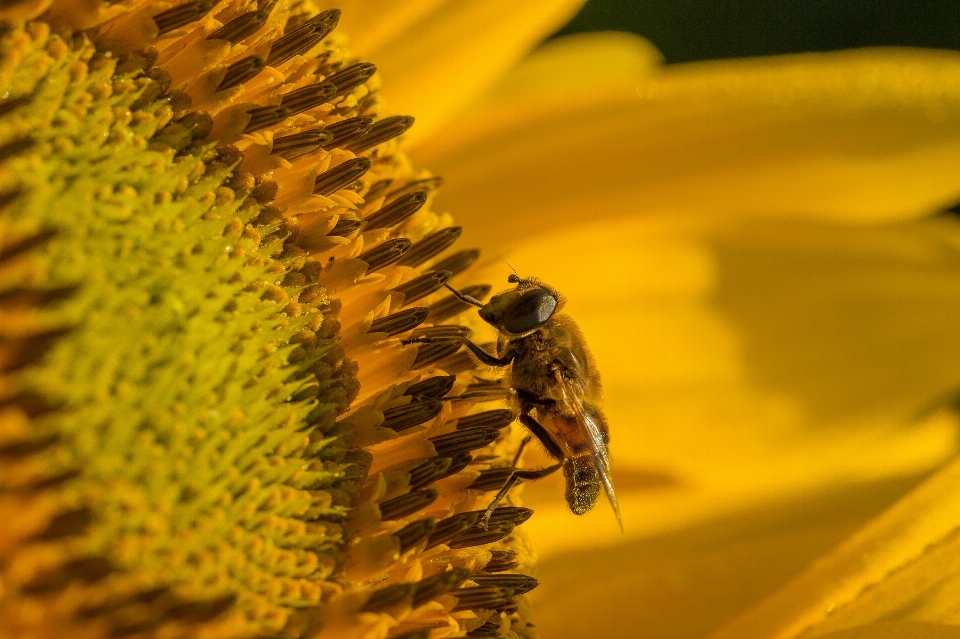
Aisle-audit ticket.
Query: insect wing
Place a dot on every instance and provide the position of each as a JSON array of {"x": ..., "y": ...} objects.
[{"x": 595, "y": 439}]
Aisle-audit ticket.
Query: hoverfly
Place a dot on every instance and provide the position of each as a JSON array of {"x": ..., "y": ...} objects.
[{"x": 555, "y": 388}]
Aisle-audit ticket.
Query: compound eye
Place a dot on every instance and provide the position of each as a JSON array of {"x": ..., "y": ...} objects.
[{"x": 533, "y": 308}]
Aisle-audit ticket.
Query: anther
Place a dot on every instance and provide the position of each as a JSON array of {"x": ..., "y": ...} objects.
[
  {"x": 16, "y": 147},
  {"x": 350, "y": 129},
  {"x": 389, "y": 597},
  {"x": 450, "y": 305},
  {"x": 433, "y": 244},
  {"x": 460, "y": 461},
  {"x": 476, "y": 536},
  {"x": 308, "y": 97},
  {"x": 382, "y": 131},
  {"x": 422, "y": 633},
  {"x": 66, "y": 524},
  {"x": 241, "y": 71},
  {"x": 263, "y": 117},
  {"x": 514, "y": 515},
  {"x": 351, "y": 77},
  {"x": 432, "y": 387},
  {"x": 396, "y": 211},
  {"x": 501, "y": 560},
  {"x": 291, "y": 147},
  {"x": 497, "y": 418},
  {"x": 442, "y": 331},
  {"x": 432, "y": 587},
  {"x": 422, "y": 286},
  {"x": 413, "y": 533},
  {"x": 28, "y": 243},
  {"x": 344, "y": 228},
  {"x": 450, "y": 527},
  {"x": 433, "y": 352},
  {"x": 376, "y": 190},
  {"x": 400, "y": 322},
  {"x": 482, "y": 598},
  {"x": 303, "y": 38},
  {"x": 492, "y": 478},
  {"x": 429, "y": 185},
  {"x": 489, "y": 630},
  {"x": 385, "y": 254},
  {"x": 400, "y": 418},
  {"x": 400, "y": 507},
  {"x": 243, "y": 26},
  {"x": 463, "y": 441},
  {"x": 459, "y": 261},
  {"x": 331, "y": 181},
  {"x": 429, "y": 471},
  {"x": 181, "y": 15},
  {"x": 519, "y": 584}
]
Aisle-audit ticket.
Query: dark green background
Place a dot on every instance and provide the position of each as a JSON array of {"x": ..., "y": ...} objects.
[{"x": 686, "y": 30}]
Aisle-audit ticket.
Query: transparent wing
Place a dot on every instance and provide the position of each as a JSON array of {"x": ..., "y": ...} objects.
[{"x": 600, "y": 456}]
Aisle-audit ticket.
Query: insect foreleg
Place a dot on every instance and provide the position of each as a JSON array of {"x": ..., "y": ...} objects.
[
  {"x": 482, "y": 355},
  {"x": 538, "y": 431},
  {"x": 516, "y": 476},
  {"x": 466, "y": 299}
]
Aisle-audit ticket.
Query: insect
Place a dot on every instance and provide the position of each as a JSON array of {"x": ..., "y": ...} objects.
[{"x": 555, "y": 388}]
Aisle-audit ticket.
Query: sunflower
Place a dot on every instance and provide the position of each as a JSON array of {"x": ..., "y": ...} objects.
[{"x": 214, "y": 246}]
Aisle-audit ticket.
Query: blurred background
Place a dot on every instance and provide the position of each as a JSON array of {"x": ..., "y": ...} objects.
[{"x": 688, "y": 30}]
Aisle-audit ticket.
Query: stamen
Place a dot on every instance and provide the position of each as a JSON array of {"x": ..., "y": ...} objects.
[
  {"x": 400, "y": 507},
  {"x": 432, "y": 587},
  {"x": 351, "y": 77},
  {"x": 376, "y": 190},
  {"x": 242, "y": 26},
  {"x": 459, "y": 262},
  {"x": 463, "y": 441},
  {"x": 344, "y": 228},
  {"x": 450, "y": 527},
  {"x": 412, "y": 534},
  {"x": 66, "y": 524},
  {"x": 433, "y": 352},
  {"x": 482, "y": 598},
  {"x": 291, "y": 147},
  {"x": 432, "y": 387},
  {"x": 423, "y": 633},
  {"x": 385, "y": 254},
  {"x": 16, "y": 147},
  {"x": 389, "y": 597},
  {"x": 429, "y": 471},
  {"x": 263, "y": 117},
  {"x": 308, "y": 97},
  {"x": 514, "y": 515},
  {"x": 497, "y": 418},
  {"x": 384, "y": 130},
  {"x": 329, "y": 182},
  {"x": 489, "y": 630},
  {"x": 519, "y": 584},
  {"x": 23, "y": 448},
  {"x": 476, "y": 536},
  {"x": 400, "y": 418},
  {"x": 450, "y": 305},
  {"x": 241, "y": 71},
  {"x": 429, "y": 185},
  {"x": 349, "y": 129},
  {"x": 431, "y": 245},
  {"x": 443, "y": 331},
  {"x": 501, "y": 560},
  {"x": 492, "y": 478},
  {"x": 422, "y": 286},
  {"x": 460, "y": 461},
  {"x": 182, "y": 15},
  {"x": 399, "y": 322},
  {"x": 304, "y": 37},
  {"x": 84, "y": 569},
  {"x": 397, "y": 211}
]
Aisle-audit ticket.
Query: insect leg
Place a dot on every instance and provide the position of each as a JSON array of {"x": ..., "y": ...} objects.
[
  {"x": 516, "y": 476},
  {"x": 482, "y": 355},
  {"x": 523, "y": 444},
  {"x": 553, "y": 448},
  {"x": 466, "y": 299}
]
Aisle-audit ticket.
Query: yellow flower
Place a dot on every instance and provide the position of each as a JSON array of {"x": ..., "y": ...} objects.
[
  {"x": 745, "y": 246},
  {"x": 199, "y": 440}
]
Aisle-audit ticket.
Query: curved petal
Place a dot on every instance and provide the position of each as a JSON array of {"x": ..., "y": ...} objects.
[
  {"x": 902, "y": 569},
  {"x": 449, "y": 52},
  {"x": 855, "y": 136},
  {"x": 689, "y": 582}
]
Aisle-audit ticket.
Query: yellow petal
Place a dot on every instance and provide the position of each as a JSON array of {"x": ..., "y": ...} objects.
[
  {"x": 450, "y": 53},
  {"x": 689, "y": 582},
  {"x": 855, "y": 136},
  {"x": 902, "y": 568}
]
